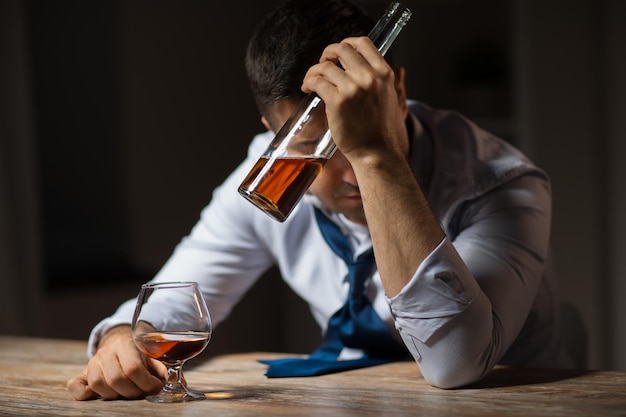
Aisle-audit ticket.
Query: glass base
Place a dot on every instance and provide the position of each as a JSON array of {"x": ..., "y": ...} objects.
[
  {"x": 265, "y": 204},
  {"x": 176, "y": 397}
]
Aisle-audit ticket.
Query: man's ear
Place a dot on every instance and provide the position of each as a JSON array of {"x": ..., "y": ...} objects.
[{"x": 266, "y": 123}]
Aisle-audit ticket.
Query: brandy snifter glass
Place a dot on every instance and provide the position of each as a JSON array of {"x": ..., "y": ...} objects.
[{"x": 172, "y": 324}]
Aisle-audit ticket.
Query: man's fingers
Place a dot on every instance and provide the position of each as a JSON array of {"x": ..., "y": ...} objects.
[
  {"x": 97, "y": 381},
  {"x": 79, "y": 388},
  {"x": 144, "y": 375}
]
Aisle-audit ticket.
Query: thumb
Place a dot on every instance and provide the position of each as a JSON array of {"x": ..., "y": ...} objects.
[
  {"x": 158, "y": 369},
  {"x": 79, "y": 388}
]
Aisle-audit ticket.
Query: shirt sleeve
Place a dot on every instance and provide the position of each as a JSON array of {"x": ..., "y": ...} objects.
[
  {"x": 221, "y": 253},
  {"x": 469, "y": 299}
]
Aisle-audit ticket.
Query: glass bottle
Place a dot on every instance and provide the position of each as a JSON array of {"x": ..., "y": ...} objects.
[{"x": 284, "y": 172}]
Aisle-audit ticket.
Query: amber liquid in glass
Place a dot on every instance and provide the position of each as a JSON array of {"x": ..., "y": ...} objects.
[
  {"x": 275, "y": 185},
  {"x": 172, "y": 347}
]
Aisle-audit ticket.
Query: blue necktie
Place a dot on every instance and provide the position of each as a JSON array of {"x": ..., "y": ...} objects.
[{"x": 355, "y": 325}]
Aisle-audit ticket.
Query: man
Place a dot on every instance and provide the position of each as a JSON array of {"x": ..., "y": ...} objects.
[{"x": 458, "y": 220}]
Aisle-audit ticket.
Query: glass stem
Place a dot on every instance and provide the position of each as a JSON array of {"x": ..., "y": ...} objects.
[{"x": 174, "y": 378}]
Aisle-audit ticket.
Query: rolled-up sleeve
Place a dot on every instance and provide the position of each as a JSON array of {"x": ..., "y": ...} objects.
[
  {"x": 443, "y": 318},
  {"x": 444, "y": 292},
  {"x": 468, "y": 300}
]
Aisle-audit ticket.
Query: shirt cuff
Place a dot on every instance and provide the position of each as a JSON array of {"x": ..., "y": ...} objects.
[
  {"x": 441, "y": 288},
  {"x": 123, "y": 315}
]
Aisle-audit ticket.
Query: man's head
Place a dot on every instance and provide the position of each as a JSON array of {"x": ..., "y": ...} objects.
[
  {"x": 290, "y": 40},
  {"x": 283, "y": 48}
]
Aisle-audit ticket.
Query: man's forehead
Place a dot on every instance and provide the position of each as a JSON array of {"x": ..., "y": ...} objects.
[{"x": 279, "y": 111}]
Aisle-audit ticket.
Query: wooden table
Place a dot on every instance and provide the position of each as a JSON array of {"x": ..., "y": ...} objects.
[{"x": 34, "y": 372}]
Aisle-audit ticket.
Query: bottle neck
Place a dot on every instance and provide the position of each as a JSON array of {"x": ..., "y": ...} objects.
[{"x": 389, "y": 26}]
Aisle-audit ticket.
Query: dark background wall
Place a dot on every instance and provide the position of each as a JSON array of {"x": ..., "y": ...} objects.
[{"x": 119, "y": 118}]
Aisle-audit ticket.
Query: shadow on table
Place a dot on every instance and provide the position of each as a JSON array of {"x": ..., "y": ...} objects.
[{"x": 509, "y": 377}]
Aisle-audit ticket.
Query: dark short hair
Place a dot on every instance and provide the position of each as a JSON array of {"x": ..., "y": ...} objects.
[{"x": 291, "y": 39}]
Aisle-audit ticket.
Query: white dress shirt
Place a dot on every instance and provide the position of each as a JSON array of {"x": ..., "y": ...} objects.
[{"x": 484, "y": 296}]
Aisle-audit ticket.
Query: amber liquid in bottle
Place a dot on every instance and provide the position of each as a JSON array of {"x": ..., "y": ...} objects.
[{"x": 278, "y": 190}]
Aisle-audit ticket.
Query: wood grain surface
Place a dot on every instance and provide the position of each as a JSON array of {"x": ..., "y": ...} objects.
[{"x": 34, "y": 373}]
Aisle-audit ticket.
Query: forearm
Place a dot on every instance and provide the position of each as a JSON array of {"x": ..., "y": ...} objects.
[
  {"x": 403, "y": 228},
  {"x": 121, "y": 331}
]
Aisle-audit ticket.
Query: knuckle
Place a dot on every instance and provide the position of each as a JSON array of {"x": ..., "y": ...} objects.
[
  {"x": 135, "y": 370},
  {"x": 325, "y": 65},
  {"x": 352, "y": 91},
  {"x": 117, "y": 380},
  {"x": 369, "y": 82},
  {"x": 362, "y": 40},
  {"x": 97, "y": 384},
  {"x": 344, "y": 46},
  {"x": 388, "y": 73}
]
